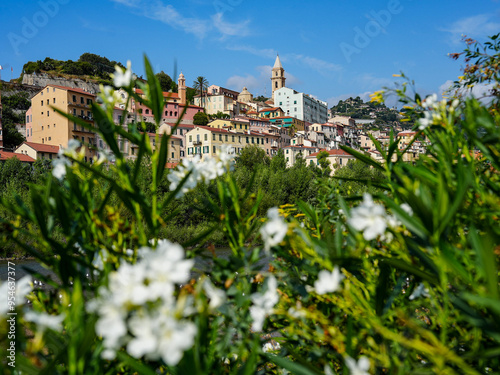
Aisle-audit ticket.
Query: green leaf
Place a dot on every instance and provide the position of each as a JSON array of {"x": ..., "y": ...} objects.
[
  {"x": 293, "y": 367},
  {"x": 162, "y": 158},
  {"x": 135, "y": 364},
  {"x": 366, "y": 159},
  {"x": 157, "y": 101}
]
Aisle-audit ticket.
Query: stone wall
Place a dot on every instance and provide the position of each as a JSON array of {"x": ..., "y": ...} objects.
[{"x": 43, "y": 79}]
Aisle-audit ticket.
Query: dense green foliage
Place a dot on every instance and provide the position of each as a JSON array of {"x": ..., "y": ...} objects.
[
  {"x": 13, "y": 113},
  {"x": 166, "y": 82},
  {"x": 401, "y": 280},
  {"x": 356, "y": 108},
  {"x": 89, "y": 64},
  {"x": 200, "y": 118}
]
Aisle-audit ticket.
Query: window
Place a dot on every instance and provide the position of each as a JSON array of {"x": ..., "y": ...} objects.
[
  {"x": 213, "y": 137},
  {"x": 147, "y": 111},
  {"x": 48, "y": 101},
  {"x": 190, "y": 138},
  {"x": 206, "y": 137},
  {"x": 48, "y": 113},
  {"x": 42, "y": 103},
  {"x": 226, "y": 138},
  {"x": 89, "y": 101},
  {"x": 172, "y": 155},
  {"x": 175, "y": 114},
  {"x": 42, "y": 127},
  {"x": 170, "y": 113},
  {"x": 82, "y": 100},
  {"x": 232, "y": 138},
  {"x": 50, "y": 138},
  {"x": 247, "y": 139},
  {"x": 74, "y": 98},
  {"x": 166, "y": 113},
  {"x": 220, "y": 137},
  {"x": 54, "y": 101},
  {"x": 294, "y": 102},
  {"x": 252, "y": 139},
  {"x": 214, "y": 149}
]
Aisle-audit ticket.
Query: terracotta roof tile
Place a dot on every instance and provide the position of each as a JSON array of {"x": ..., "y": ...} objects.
[
  {"x": 41, "y": 147},
  {"x": 4, "y": 155}
]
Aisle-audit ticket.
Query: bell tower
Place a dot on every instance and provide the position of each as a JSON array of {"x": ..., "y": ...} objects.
[
  {"x": 277, "y": 75},
  {"x": 181, "y": 88}
]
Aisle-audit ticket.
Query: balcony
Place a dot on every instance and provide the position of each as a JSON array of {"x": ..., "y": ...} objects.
[
  {"x": 196, "y": 143},
  {"x": 86, "y": 118}
]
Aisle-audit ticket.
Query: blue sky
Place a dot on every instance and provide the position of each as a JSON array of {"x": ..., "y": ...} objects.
[{"x": 329, "y": 49}]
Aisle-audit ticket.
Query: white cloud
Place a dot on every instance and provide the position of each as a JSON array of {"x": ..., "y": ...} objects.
[
  {"x": 321, "y": 66},
  {"x": 199, "y": 27},
  {"x": 260, "y": 83},
  {"x": 230, "y": 29},
  {"x": 480, "y": 91},
  {"x": 266, "y": 53},
  {"x": 167, "y": 14},
  {"x": 475, "y": 27},
  {"x": 129, "y": 3},
  {"x": 370, "y": 82}
]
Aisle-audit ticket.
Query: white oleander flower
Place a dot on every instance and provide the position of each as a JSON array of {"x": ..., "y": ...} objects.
[
  {"x": 59, "y": 167},
  {"x": 369, "y": 217},
  {"x": 217, "y": 296},
  {"x": 44, "y": 321},
  {"x": 358, "y": 368},
  {"x": 328, "y": 282},
  {"x": 271, "y": 346},
  {"x": 122, "y": 77},
  {"x": 23, "y": 287},
  {"x": 407, "y": 208},
  {"x": 263, "y": 303},
  {"x": 430, "y": 102},
  {"x": 138, "y": 309},
  {"x": 419, "y": 291},
  {"x": 108, "y": 96},
  {"x": 274, "y": 230}
]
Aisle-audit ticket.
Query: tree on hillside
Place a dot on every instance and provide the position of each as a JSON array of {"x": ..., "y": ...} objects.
[
  {"x": 220, "y": 115},
  {"x": 260, "y": 98},
  {"x": 200, "y": 118},
  {"x": 251, "y": 157},
  {"x": 324, "y": 163},
  {"x": 166, "y": 83},
  {"x": 201, "y": 85},
  {"x": 278, "y": 162}
]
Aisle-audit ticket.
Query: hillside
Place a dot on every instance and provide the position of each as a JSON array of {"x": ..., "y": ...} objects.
[
  {"x": 88, "y": 67},
  {"x": 357, "y": 109}
]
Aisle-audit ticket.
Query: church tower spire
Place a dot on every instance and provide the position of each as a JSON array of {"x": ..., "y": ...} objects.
[{"x": 277, "y": 75}]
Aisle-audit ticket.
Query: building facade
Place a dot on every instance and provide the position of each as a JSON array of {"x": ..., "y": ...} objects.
[
  {"x": 300, "y": 105},
  {"x": 50, "y": 128}
]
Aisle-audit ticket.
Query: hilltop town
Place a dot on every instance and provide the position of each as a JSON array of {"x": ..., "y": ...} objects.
[{"x": 209, "y": 116}]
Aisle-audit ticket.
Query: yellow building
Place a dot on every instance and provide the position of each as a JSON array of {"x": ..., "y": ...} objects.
[
  {"x": 366, "y": 143},
  {"x": 337, "y": 158},
  {"x": 206, "y": 141},
  {"x": 238, "y": 126},
  {"x": 50, "y": 128}
]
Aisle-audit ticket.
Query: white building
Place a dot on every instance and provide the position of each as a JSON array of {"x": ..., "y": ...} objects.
[{"x": 301, "y": 106}]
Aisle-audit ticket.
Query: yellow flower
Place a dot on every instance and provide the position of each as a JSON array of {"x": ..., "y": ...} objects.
[{"x": 377, "y": 96}]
